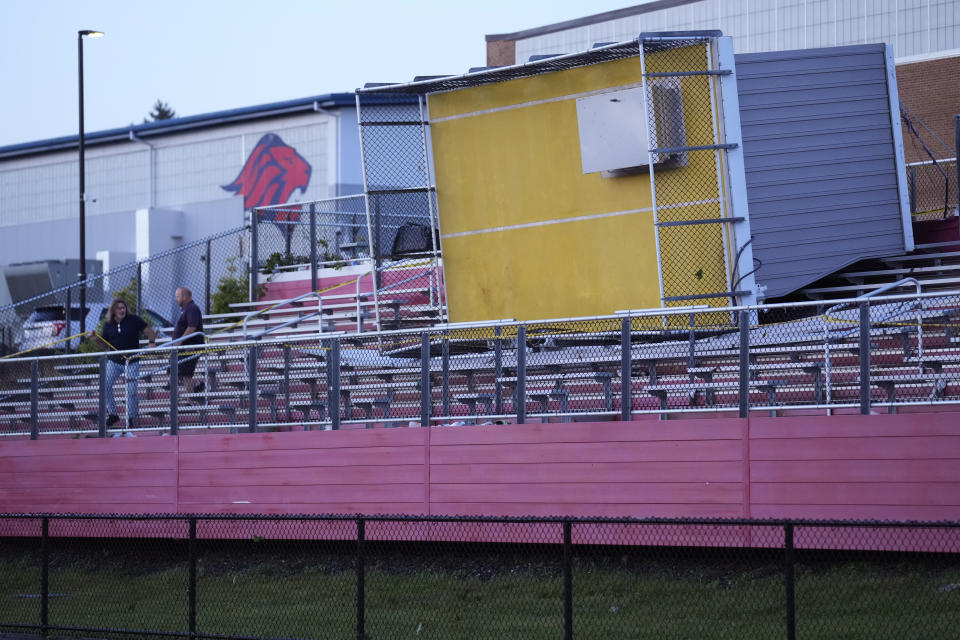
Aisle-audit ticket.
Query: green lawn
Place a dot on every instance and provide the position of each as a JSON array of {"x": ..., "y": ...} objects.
[{"x": 302, "y": 591}]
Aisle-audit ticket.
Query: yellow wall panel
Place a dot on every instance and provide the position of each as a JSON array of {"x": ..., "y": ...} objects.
[
  {"x": 519, "y": 166},
  {"x": 527, "y": 235},
  {"x": 536, "y": 88},
  {"x": 553, "y": 271}
]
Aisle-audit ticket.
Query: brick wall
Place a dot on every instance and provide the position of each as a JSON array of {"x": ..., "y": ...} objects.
[
  {"x": 931, "y": 90},
  {"x": 501, "y": 53}
]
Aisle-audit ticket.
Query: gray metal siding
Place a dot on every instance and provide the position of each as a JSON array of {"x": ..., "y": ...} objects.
[{"x": 820, "y": 162}]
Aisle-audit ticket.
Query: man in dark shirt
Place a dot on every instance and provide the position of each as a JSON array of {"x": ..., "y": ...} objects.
[
  {"x": 121, "y": 331},
  {"x": 190, "y": 321}
]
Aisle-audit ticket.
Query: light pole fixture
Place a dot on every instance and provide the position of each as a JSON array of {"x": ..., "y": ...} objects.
[{"x": 89, "y": 33}]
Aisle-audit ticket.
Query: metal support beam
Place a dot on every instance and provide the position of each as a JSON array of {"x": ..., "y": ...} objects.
[
  {"x": 626, "y": 370},
  {"x": 497, "y": 370},
  {"x": 744, "y": 390},
  {"x": 865, "y": 357},
  {"x": 445, "y": 373},
  {"x": 254, "y": 257},
  {"x": 252, "y": 388},
  {"x": 102, "y": 400},
  {"x": 425, "y": 404},
  {"x": 34, "y": 399},
  {"x": 206, "y": 281},
  {"x": 314, "y": 286},
  {"x": 789, "y": 581},
  {"x": 333, "y": 383},
  {"x": 174, "y": 392},
  {"x": 520, "y": 400}
]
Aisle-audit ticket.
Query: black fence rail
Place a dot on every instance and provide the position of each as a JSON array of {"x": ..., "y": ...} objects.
[{"x": 226, "y": 576}]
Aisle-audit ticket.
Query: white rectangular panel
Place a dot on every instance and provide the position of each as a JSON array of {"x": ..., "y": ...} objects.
[{"x": 613, "y": 131}]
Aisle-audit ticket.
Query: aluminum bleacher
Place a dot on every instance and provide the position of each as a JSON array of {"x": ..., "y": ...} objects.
[{"x": 786, "y": 358}]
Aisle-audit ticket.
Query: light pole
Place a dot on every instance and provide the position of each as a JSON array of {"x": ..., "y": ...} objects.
[{"x": 83, "y": 196}]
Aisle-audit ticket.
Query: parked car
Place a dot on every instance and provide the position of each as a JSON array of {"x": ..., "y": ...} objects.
[{"x": 48, "y": 324}]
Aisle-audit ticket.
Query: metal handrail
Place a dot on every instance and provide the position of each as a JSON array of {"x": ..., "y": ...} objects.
[
  {"x": 866, "y": 296},
  {"x": 302, "y": 296},
  {"x": 178, "y": 340},
  {"x": 166, "y": 346},
  {"x": 930, "y": 162},
  {"x": 431, "y": 287},
  {"x": 286, "y": 324},
  {"x": 376, "y": 299},
  {"x": 319, "y": 311}
]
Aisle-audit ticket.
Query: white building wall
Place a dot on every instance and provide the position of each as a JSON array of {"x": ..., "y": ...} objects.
[
  {"x": 913, "y": 27},
  {"x": 58, "y": 239},
  {"x": 183, "y": 168}
]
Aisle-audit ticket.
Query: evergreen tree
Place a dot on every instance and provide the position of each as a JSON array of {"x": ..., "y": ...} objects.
[{"x": 161, "y": 111}]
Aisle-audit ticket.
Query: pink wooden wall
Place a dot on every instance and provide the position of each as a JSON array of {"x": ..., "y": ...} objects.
[
  {"x": 123, "y": 475},
  {"x": 293, "y": 286},
  {"x": 847, "y": 467},
  {"x": 335, "y": 283}
]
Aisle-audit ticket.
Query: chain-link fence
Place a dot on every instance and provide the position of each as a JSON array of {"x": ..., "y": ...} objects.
[
  {"x": 325, "y": 233},
  {"x": 215, "y": 269},
  {"x": 691, "y": 210},
  {"x": 932, "y": 188},
  {"x": 870, "y": 354},
  {"x": 393, "y": 281},
  {"x": 448, "y": 577}
]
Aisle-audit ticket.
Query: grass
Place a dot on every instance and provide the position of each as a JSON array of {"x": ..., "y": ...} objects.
[{"x": 308, "y": 590}]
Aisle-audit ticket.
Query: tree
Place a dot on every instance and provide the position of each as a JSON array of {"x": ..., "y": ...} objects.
[
  {"x": 232, "y": 287},
  {"x": 161, "y": 111}
]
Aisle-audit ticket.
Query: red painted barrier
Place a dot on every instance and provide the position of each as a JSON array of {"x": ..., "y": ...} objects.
[{"x": 886, "y": 467}]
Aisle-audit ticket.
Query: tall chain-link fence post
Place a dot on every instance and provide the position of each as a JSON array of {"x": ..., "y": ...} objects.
[
  {"x": 252, "y": 388},
  {"x": 744, "y": 389},
  {"x": 445, "y": 373},
  {"x": 498, "y": 370},
  {"x": 865, "y": 357},
  {"x": 521, "y": 389},
  {"x": 314, "y": 286},
  {"x": 206, "y": 280},
  {"x": 67, "y": 312},
  {"x": 34, "y": 399},
  {"x": 361, "y": 574},
  {"x": 174, "y": 392},
  {"x": 425, "y": 400},
  {"x": 333, "y": 383},
  {"x": 254, "y": 257},
  {"x": 626, "y": 371},
  {"x": 44, "y": 577},
  {"x": 567, "y": 580},
  {"x": 192, "y": 580},
  {"x": 376, "y": 251},
  {"x": 789, "y": 580},
  {"x": 287, "y": 362},
  {"x": 102, "y": 396}
]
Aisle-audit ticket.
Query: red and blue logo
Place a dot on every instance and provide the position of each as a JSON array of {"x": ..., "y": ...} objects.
[{"x": 273, "y": 171}]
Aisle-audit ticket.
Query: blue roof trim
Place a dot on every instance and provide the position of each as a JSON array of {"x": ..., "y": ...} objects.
[{"x": 176, "y": 125}]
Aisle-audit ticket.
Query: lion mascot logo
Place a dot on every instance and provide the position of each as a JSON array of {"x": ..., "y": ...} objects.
[{"x": 273, "y": 171}]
